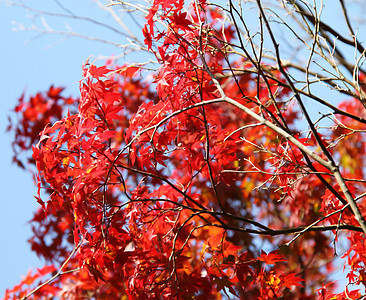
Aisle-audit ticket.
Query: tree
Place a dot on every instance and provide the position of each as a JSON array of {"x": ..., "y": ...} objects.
[{"x": 202, "y": 174}]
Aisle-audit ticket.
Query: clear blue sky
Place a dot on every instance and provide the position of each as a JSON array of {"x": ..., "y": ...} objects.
[{"x": 35, "y": 66}]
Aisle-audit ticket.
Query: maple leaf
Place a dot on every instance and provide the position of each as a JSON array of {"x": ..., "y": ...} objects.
[
  {"x": 271, "y": 258},
  {"x": 291, "y": 280},
  {"x": 97, "y": 72},
  {"x": 223, "y": 283}
]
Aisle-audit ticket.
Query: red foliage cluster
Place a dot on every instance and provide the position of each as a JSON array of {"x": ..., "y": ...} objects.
[{"x": 164, "y": 189}]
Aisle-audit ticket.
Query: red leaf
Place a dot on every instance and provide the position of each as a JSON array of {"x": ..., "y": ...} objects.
[
  {"x": 271, "y": 258},
  {"x": 291, "y": 280},
  {"x": 97, "y": 72}
]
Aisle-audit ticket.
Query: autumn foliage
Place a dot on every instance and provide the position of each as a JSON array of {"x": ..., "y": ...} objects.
[{"x": 194, "y": 180}]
